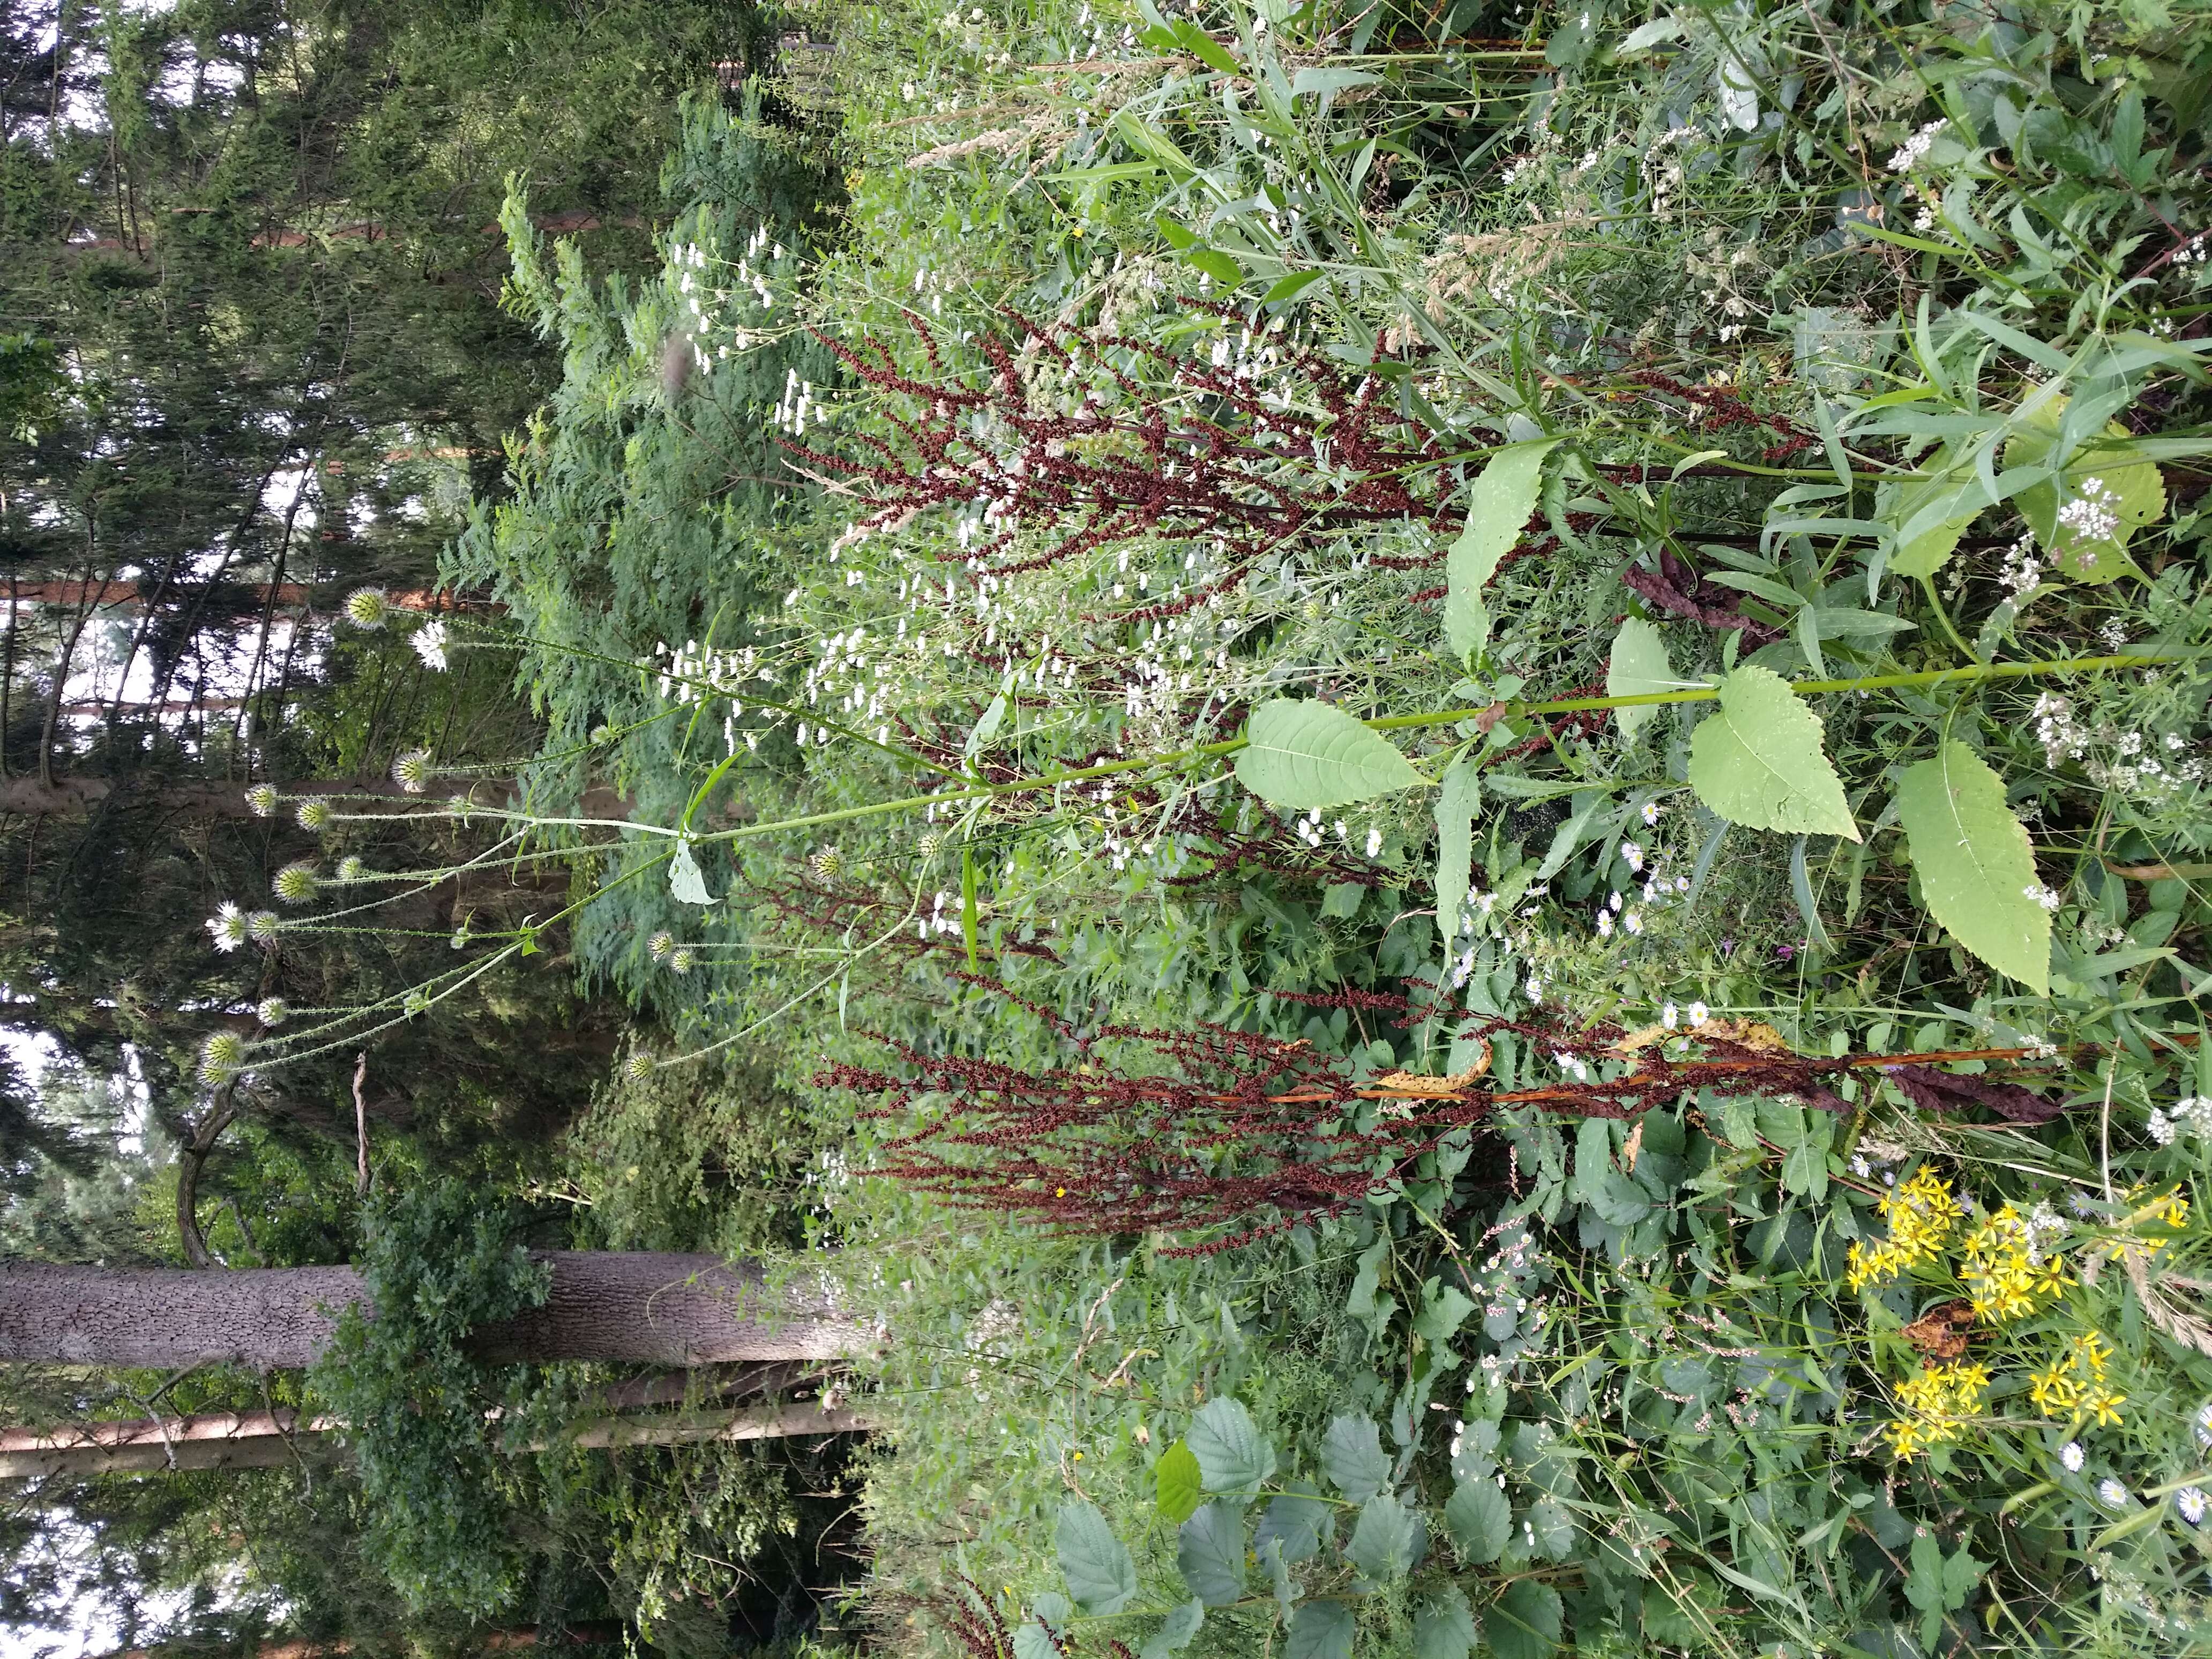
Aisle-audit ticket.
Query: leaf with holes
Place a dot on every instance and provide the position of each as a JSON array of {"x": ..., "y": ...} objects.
[
  {"x": 1759, "y": 762},
  {"x": 1976, "y": 866},
  {"x": 1101, "y": 1577},
  {"x": 1302, "y": 754}
]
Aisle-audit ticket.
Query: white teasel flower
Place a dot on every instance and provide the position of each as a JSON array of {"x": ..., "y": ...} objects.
[
  {"x": 261, "y": 801},
  {"x": 228, "y": 927},
  {"x": 272, "y": 1010},
  {"x": 262, "y": 926},
  {"x": 411, "y": 771},
  {"x": 223, "y": 1056},
  {"x": 295, "y": 883},
  {"x": 429, "y": 643},
  {"x": 314, "y": 815},
  {"x": 351, "y": 868}
]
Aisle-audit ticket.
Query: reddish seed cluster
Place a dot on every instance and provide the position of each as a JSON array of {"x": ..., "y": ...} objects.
[
  {"x": 1677, "y": 588},
  {"x": 1200, "y": 455},
  {"x": 973, "y": 1623}
]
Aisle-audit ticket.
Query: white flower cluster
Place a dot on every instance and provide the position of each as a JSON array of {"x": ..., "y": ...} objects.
[
  {"x": 2192, "y": 1115},
  {"x": 1914, "y": 150},
  {"x": 2022, "y": 573},
  {"x": 944, "y": 916},
  {"x": 2092, "y": 516}
]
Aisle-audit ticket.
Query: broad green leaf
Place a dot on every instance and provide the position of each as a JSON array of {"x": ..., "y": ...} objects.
[
  {"x": 1937, "y": 1585},
  {"x": 1444, "y": 1628},
  {"x": 1175, "y": 1632},
  {"x": 1289, "y": 287},
  {"x": 1390, "y": 1540},
  {"x": 1302, "y": 754},
  {"x": 1524, "y": 1622},
  {"x": 1976, "y": 869},
  {"x": 1929, "y": 515},
  {"x": 1321, "y": 1630},
  {"x": 1101, "y": 1577},
  {"x": 1233, "y": 1456},
  {"x": 1298, "y": 1521},
  {"x": 1443, "y": 1309},
  {"x": 1456, "y": 803},
  {"x": 1175, "y": 1478},
  {"x": 1353, "y": 1457},
  {"x": 1033, "y": 1641},
  {"x": 1759, "y": 762},
  {"x": 687, "y": 882},
  {"x": 1210, "y": 1554},
  {"x": 2113, "y": 490},
  {"x": 1552, "y": 1529},
  {"x": 1503, "y": 498},
  {"x": 1216, "y": 264},
  {"x": 1325, "y": 83},
  {"x": 1638, "y": 667},
  {"x": 1480, "y": 1520}
]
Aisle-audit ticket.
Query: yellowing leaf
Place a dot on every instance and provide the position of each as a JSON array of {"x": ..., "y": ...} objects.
[
  {"x": 1758, "y": 762},
  {"x": 1976, "y": 869}
]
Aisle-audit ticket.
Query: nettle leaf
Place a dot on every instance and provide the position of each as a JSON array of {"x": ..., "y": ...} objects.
[
  {"x": 1210, "y": 1554},
  {"x": 1176, "y": 1480},
  {"x": 1638, "y": 667},
  {"x": 1101, "y": 1577},
  {"x": 2117, "y": 496},
  {"x": 1444, "y": 1628},
  {"x": 1500, "y": 504},
  {"x": 1389, "y": 1540},
  {"x": 1353, "y": 1457},
  {"x": 1233, "y": 1456},
  {"x": 1759, "y": 762},
  {"x": 1174, "y": 1633},
  {"x": 1321, "y": 1630},
  {"x": 1524, "y": 1622},
  {"x": 1299, "y": 753},
  {"x": 1480, "y": 1520},
  {"x": 1976, "y": 868},
  {"x": 1929, "y": 515},
  {"x": 1033, "y": 1641}
]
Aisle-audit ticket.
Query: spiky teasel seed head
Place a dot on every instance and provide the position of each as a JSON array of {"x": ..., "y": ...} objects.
[
  {"x": 295, "y": 883},
  {"x": 367, "y": 607},
  {"x": 272, "y": 1010},
  {"x": 681, "y": 959},
  {"x": 411, "y": 771},
  {"x": 661, "y": 944},
  {"x": 314, "y": 815},
  {"x": 351, "y": 869},
  {"x": 828, "y": 863},
  {"x": 228, "y": 928},
  {"x": 262, "y": 927},
  {"x": 638, "y": 1066},
  {"x": 261, "y": 801},
  {"x": 223, "y": 1056},
  {"x": 931, "y": 844}
]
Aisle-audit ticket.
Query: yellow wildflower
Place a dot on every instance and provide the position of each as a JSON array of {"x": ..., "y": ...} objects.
[
  {"x": 2104, "y": 1404},
  {"x": 2089, "y": 1353},
  {"x": 2053, "y": 1391}
]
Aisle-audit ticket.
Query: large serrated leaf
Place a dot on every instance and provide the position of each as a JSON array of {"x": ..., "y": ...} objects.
[
  {"x": 1759, "y": 762},
  {"x": 1302, "y": 754},
  {"x": 1353, "y": 1457},
  {"x": 1175, "y": 1632},
  {"x": 1177, "y": 1484},
  {"x": 1101, "y": 1577},
  {"x": 1321, "y": 1630},
  {"x": 1480, "y": 1520},
  {"x": 1976, "y": 868},
  {"x": 2129, "y": 492},
  {"x": 1524, "y": 1622},
  {"x": 1210, "y": 1554},
  {"x": 1500, "y": 504},
  {"x": 1456, "y": 804},
  {"x": 1638, "y": 667},
  {"x": 1233, "y": 1456},
  {"x": 1443, "y": 1626},
  {"x": 1390, "y": 1540},
  {"x": 1296, "y": 1521}
]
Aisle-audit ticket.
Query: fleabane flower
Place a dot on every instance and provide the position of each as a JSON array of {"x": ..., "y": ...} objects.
[
  {"x": 2070, "y": 1457},
  {"x": 295, "y": 883},
  {"x": 2112, "y": 1494},
  {"x": 223, "y": 1056},
  {"x": 367, "y": 607},
  {"x": 2189, "y": 1500},
  {"x": 228, "y": 926},
  {"x": 429, "y": 643}
]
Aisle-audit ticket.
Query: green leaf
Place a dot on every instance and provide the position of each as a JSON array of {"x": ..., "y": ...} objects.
[
  {"x": 1503, "y": 498},
  {"x": 1759, "y": 762},
  {"x": 1175, "y": 1632},
  {"x": 1353, "y": 1457},
  {"x": 1175, "y": 1478},
  {"x": 1210, "y": 1554},
  {"x": 1321, "y": 1630},
  {"x": 1937, "y": 1585},
  {"x": 1390, "y": 1540},
  {"x": 1976, "y": 866},
  {"x": 1301, "y": 754},
  {"x": 1443, "y": 1309},
  {"x": 1233, "y": 1456},
  {"x": 1289, "y": 287},
  {"x": 1298, "y": 1520},
  {"x": 1323, "y": 83},
  {"x": 1929, "y": 515},
  {"x": 1216, "y": 264},
  {"x": 1456, "y": 803},
  {"x": 687, "y": 882},
  {"x": 1524, "y": 1622},
  {"x": 1638, "y": 667},
  {"x": 1101, "y": 1577},
  {"x": 2129, "y": 491},
  {"x": 1201, "y": 45},
  {"x": 1480, "y": 1520},
  {"x": 1444, "y": 1628},
  {"x": 1033, "y": 1641}
]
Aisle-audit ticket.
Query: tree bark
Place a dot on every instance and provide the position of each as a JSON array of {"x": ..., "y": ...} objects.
[{"x": 641, "y": 1306}]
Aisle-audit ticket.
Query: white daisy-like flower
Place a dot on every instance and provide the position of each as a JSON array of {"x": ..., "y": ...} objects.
[
  {"x": 1699, "y": 1013},
  {"x": 2070, "y": 1456},
  {"x": 1374, "y": 842},
  {"x": 2112, "y": 1494},
  {"x": 295, "y": 883},
  {"x": 367, "y": 607},
  {"x": 223, "y": 1056},
  {"x": 1633, "y": 921},
  {"x": 272, "y": 1010},
  {"x": 411, "y": 771},
  {"x": 1632, "y": 856},
  {"x": 228, "y": 926},
  {"x": 2202, "y": 1424},
  {"x": 1650, "y": 813},
  {"x": 1605, "y": 924},
  {"x": 429, "y": 643},
  {"x": 2189, "y": 1500},
  {"x": 1670, "y": 1016},
  {"x": 314, "y": 815},
  {"x": 261, "y": 801}
]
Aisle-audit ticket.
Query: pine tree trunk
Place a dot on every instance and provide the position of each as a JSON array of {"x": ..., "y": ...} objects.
[{"x": 638, "y": 1306}]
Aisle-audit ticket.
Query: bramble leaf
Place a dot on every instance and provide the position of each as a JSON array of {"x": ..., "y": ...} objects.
[
  {"x": 1176, "y": 1481},
  {"x": 1480, "y": 1520},
  {"x": 1321, "y": 1630},
  {"x": 1524, "y": 1622},
  {"x": 1444, "y": 1628},
  {"x": 1210, "y": 1554},
  {"x": 1758, "y": 762},
  {"x": 1389, "y": 1540},
  {"x": 1353, "y": 1457},
  {"x": 1976, "y": 869},
  {"x": 1233, "y": 1456}
]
